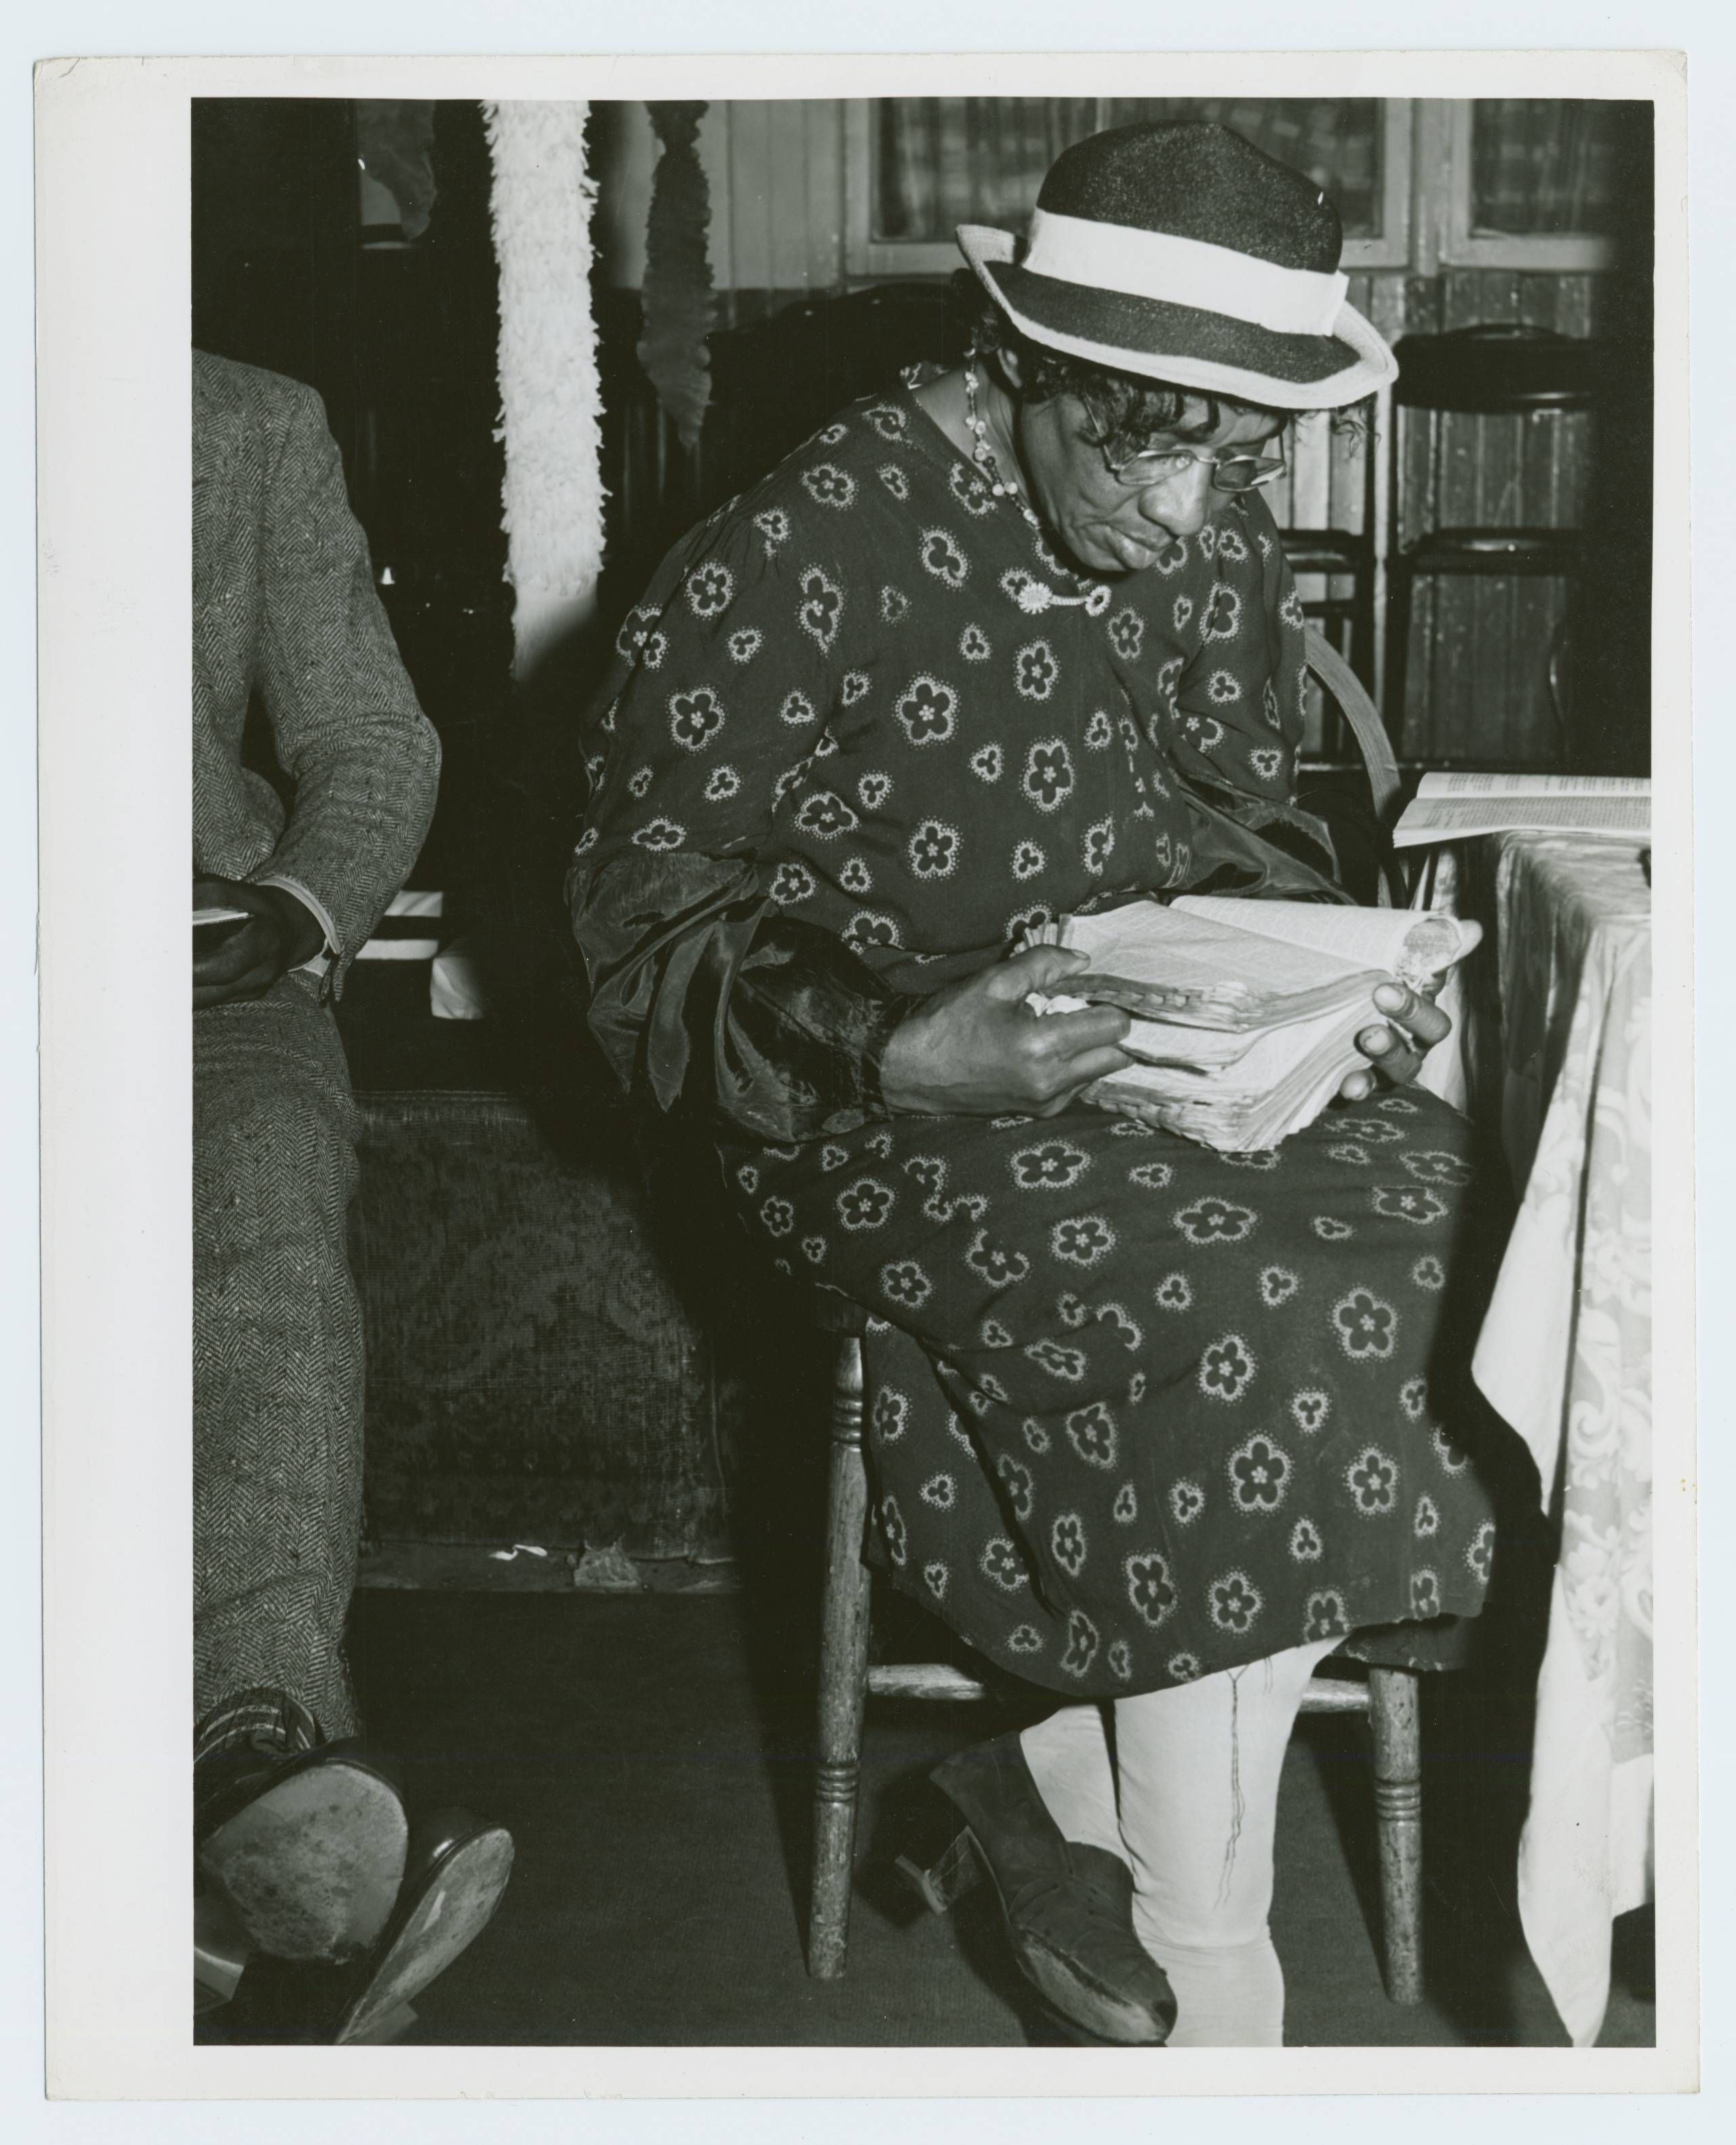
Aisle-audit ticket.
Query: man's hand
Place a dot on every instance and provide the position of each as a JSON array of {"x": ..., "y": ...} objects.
[
  {"x": 977, "y": 1049},
  {"x": 245, "y": 960},
  {"x": 1397, "y": 1045}
]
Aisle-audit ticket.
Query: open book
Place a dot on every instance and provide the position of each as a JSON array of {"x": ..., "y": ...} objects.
[
  {"x": 1246, "y": 1013},
  {"x": 1448, "y": 807}
]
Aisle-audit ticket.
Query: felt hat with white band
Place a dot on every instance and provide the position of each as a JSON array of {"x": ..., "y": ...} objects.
[{"x": 1182, "y": 253}]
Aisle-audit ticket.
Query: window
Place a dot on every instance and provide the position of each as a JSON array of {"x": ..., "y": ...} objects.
[
  {"x": 920, "y": 165},
  {"x": 1551, "y": 183}
]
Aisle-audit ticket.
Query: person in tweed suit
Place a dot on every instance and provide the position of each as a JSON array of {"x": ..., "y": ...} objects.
[{"x": 305, "y": 1838}]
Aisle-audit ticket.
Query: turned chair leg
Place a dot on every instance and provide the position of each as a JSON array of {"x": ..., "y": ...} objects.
[
  {"x": 1394, "y": 1721},
  {"x": 844, "y": 1675}
]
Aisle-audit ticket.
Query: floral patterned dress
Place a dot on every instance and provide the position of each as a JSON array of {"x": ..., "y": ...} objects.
[{"x": 1137, "y": 1410}]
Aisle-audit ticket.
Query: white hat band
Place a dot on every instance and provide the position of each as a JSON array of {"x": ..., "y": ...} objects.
[{"x": 1184, "y": 272}]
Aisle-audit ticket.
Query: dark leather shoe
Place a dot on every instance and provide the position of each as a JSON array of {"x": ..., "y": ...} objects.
[
  {"x": 456, "y": 1872},
  {"x": 307, "y": 1850},
  {"x": 1068, "y": 1908}
]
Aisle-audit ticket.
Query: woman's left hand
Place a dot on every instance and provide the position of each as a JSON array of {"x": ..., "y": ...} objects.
[{"x": 1397, "y": 1044}]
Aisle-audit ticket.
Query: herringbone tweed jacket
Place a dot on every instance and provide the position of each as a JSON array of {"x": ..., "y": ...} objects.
[{"x": 284, "y": 603}]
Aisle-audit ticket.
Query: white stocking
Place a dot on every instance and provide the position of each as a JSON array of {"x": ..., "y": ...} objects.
[
  {"x": 1197, "y": 1767},
  {"x": 1068, "y": 1754}
]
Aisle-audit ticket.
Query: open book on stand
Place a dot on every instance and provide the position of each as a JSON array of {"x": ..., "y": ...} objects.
[
  {"x": 1448, "y": 807},
  {"x": 1246, "y": 1013}
]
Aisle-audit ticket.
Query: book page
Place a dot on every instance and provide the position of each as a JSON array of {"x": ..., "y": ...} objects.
[
  {"x": 1447, "y": 806},
  {"x": 1184, "y": 949},
  {"x": 1351, "y": 939},
  {"x": 1466, "y": 784}
]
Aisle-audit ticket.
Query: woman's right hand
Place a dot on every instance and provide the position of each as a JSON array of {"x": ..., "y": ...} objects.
[{"x": 977, "y": 1049}]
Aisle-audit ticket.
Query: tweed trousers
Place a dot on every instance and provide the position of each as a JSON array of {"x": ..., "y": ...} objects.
[{"x": 277, "y": 1356}]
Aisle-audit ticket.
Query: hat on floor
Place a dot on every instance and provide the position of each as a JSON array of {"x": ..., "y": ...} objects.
[{"x": 1184, "y": 254}]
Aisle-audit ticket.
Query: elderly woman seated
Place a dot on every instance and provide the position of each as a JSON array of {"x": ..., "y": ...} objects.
[{"x": 1016, "y": 641}]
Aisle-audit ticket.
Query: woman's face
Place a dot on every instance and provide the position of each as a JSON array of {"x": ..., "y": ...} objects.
[{"x": 1106, "y": 524}]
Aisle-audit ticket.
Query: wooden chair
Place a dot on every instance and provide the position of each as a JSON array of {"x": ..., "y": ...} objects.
[
  {"x": 1336, "y": 676},
  {"x": 1389, "y": 1696},
  {"x": 1496, "y": 370}
]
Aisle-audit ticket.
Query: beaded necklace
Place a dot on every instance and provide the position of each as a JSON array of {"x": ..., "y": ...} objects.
[{"x": 1033, "y": 597}]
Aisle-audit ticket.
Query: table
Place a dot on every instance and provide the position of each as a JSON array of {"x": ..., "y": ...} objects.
[{"x": 1564, "y": 1355}]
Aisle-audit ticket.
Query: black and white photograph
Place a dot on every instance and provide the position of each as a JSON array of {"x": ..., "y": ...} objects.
[{"x": 917, "y": 1132}]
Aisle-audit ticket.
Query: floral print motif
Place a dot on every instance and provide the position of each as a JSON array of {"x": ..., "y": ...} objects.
[
  {"x": 1277, "y": 1285},
  {"x": 1311, "y": 1409},
  {"x": 934, "y": 849},
  {"x": 1036, "y": 673},
  {"x": 695, "y": 718},
  {"x": 1234, "y": 1602},
  {"x": 1215, "y": 1221},
  {"x": 1305, "y": 1545},
  {"x": 821, "y": 608},
  {"x": 926, "y": 711},
  {"x": 1151, "y": 1587},
  {"x": 1083, "y": 1242},
  {"x": 828, "y": 486},
  {"x": 1374, "y": 1482},
  {"x": 1259, "y": 1472},
  {"x": 942, "y": 558},
  {"x": 866, "y": 1204},
  {"x": 1365, "y": 1327},
  {"x": 1054, "y": 1165},
  {"x": 1226, "y": 1368},
  {"x": 1048, "y": 779},
  {"x": 710, "y": 588}
]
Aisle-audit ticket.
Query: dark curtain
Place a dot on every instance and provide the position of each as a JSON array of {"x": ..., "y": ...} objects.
[{"x": 1546, "y": 166}]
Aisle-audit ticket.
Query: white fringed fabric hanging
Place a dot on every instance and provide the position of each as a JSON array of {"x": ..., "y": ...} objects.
[{"x": 550, "y": 399}]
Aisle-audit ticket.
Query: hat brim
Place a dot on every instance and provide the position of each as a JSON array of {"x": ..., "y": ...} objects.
[{"x": 1181, "y": 344}]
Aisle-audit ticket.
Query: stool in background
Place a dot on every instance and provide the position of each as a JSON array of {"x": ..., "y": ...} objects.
[{"x": 1500, "y": 369}]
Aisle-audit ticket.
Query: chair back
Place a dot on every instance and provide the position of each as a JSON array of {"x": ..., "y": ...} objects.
[
  {"x": 1501, "y": 369},
  {"x": 1342, "y": 683}
]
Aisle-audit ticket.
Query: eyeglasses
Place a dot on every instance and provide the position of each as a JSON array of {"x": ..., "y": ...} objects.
[{"x": 1230, "y": 473}]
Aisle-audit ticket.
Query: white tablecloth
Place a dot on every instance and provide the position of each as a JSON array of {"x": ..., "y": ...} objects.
[{"x": 1564, "y": 1355}]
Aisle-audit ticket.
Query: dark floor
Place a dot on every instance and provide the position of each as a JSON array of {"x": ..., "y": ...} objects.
[{"x": 648, "y": 1753}]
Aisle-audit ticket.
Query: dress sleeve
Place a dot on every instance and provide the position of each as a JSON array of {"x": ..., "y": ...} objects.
[
  {"x": 716, "y": 702},
  {"x": 1238, "y": 723}
]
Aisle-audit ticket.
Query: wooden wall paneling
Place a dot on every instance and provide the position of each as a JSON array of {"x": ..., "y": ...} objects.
[
  {"x": 1310, "y": 497},
  {"x": 715, "y": 148},
  {"x": 1280, "y": 497},
  {"x": 785, "y": 184},
  {"x": 1345, "y": 490},
  {"x": 626, "y": 152},
  {"x": 1454, "y": 712},
  {"x": 1549, "y": 447},
  {"x": 1347, "y": 452},
  {"x": 1414, "y": 504},
  {"x": 778, "y": 202},
  {"x": 738, "y": 208},
  {"x": 825, "y": 166},
  {"x": 1495, "y": 689},
  {"x": 1386, "y": 310}
]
